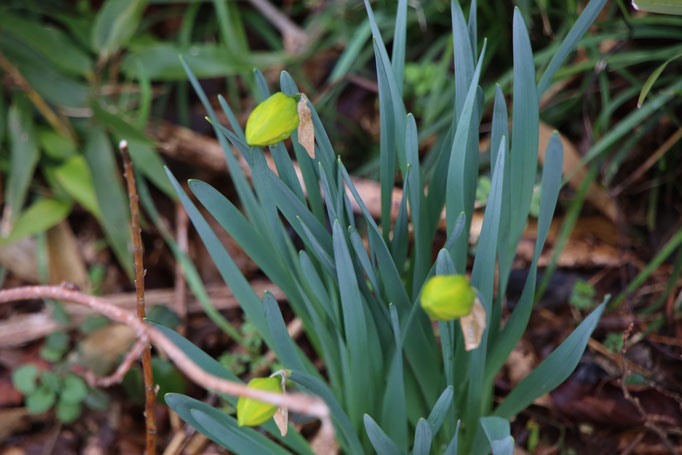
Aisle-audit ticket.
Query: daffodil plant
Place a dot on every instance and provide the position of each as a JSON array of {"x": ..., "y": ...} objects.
[{"x": 410, "y": 344}]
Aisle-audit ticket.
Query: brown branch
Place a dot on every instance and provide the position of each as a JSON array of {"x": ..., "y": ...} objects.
[
  {"x": 297, "y": 402},
  {"x": 653, "y": 159},
  {"x": 117, "y": 376},
  {"x": 150, "y": 395}
]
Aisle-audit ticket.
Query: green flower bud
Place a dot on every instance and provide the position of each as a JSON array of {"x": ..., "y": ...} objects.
[
  {"x": 252, "y": 412},
  {"x": 447, "y": 297},
  {"x": 272, "y": 121}
]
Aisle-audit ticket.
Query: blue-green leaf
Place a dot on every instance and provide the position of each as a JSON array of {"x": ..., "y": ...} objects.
[
  {"x": 440, "y": 410},
  {"x": 422, "y": 438},
  {"x": 524, "y": 144},
  {"x": 220, "y": 427},
  {"x": 284, "y": 345},
  {"x": 354, "y": 323},
  {"x": 380, "y": 440},
  {"x": 233, "y": 277},
  {"x": 346, "y": 435},
  {"x": 586, "y": 19},
  {"x": 393, "y": 415},
  {"x": 499, "y": 435},
  {"x": 553, "y": 370}
]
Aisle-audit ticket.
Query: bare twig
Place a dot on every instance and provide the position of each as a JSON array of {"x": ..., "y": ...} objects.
[
  {"x": 649, "y": 422},
  {"x": 22, "y": 328},
  {"x": 653, "y": 159},
  {"x": 150, "y": 395},
  {"x": 117, "y": 376},
  {"x": 297, "y": 402}
]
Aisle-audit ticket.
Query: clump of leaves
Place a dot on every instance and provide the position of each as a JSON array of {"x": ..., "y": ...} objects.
[
  {"x": 66, "y": 392},
  {"x": 390, "y": 382}
]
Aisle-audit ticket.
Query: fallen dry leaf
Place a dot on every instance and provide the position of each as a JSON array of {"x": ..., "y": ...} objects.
[
  {"x": 101, "y": 350},
  {"x": 65, "y": 261}
]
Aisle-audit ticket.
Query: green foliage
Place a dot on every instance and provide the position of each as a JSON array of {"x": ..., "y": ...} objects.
[
  {"x": 56, "y": 345},
  {"x": 359, "y": 306},
  {"x": 44, "y": 389},
  {"x": 24, "y": 378},
  {"x": 582, "y": 296},
  {"x": 94, "y": 68}
]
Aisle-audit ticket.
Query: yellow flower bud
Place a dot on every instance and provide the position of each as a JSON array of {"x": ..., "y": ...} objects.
[
  {"x": 272, "y": 121},
  {"x": 252, "y": 412},
  {"x": 447, "y": 297}
]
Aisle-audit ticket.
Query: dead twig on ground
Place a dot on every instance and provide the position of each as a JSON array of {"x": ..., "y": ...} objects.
[
  {"x": 22, "y": 328},
  {"x": 297, "y": 402},
  {"x": 117, "y": 376},
  {"x": 138, "y": 250},
  {"x": 649, "y": 421}
]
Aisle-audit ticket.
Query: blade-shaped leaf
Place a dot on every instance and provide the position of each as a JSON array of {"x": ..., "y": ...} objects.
[
  {"x": 111, "y": 197},
  {"x": 553, "y": 370},
  {"x": 115, "y": 24},
  {"x": 499, "y": 435},
  {"x": 440, "y": 409},
  {"x": 38, "y": 217},
  {"x": 233, "y": 277},
  {"x": 509, "y": 337},
  {"x": 394, "y": 416},
  {"x": 380, "y": 441},
  {"x": 345, "y": 432},
  {"x": 422, "y": 438},
  {"x": 354, "y": 323},
  {"x": 398, "y": 52},
  {"x": 524, "y": 140},
  {"x": 24, "y": 157},
  {"x": 284, "y": 345},
  {"x": 586, "y": 19},
  {"x": 220, "y": 427}
]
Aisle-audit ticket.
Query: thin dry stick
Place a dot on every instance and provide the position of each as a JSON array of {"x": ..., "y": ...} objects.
[
  {"x": 649, "y": 423},
  {"x": 150, "y": 395},
  {"x": 653, "y": 159},
  {"x": 297, "y": 402},
  {"x": 117, "y": 376}
]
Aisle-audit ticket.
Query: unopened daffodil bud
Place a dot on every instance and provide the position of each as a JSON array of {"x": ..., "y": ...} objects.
[
  {"x": 272, "y": 121},
  {"x": 252, "y": 412},
  {"x": 447, "y": 297}
]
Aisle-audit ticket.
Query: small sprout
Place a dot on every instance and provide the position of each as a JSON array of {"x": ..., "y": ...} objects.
[
  {"x": 252, "y": 412},
  {"x": 448, "y": 297},
  {"x": 272, "y": 121}
]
